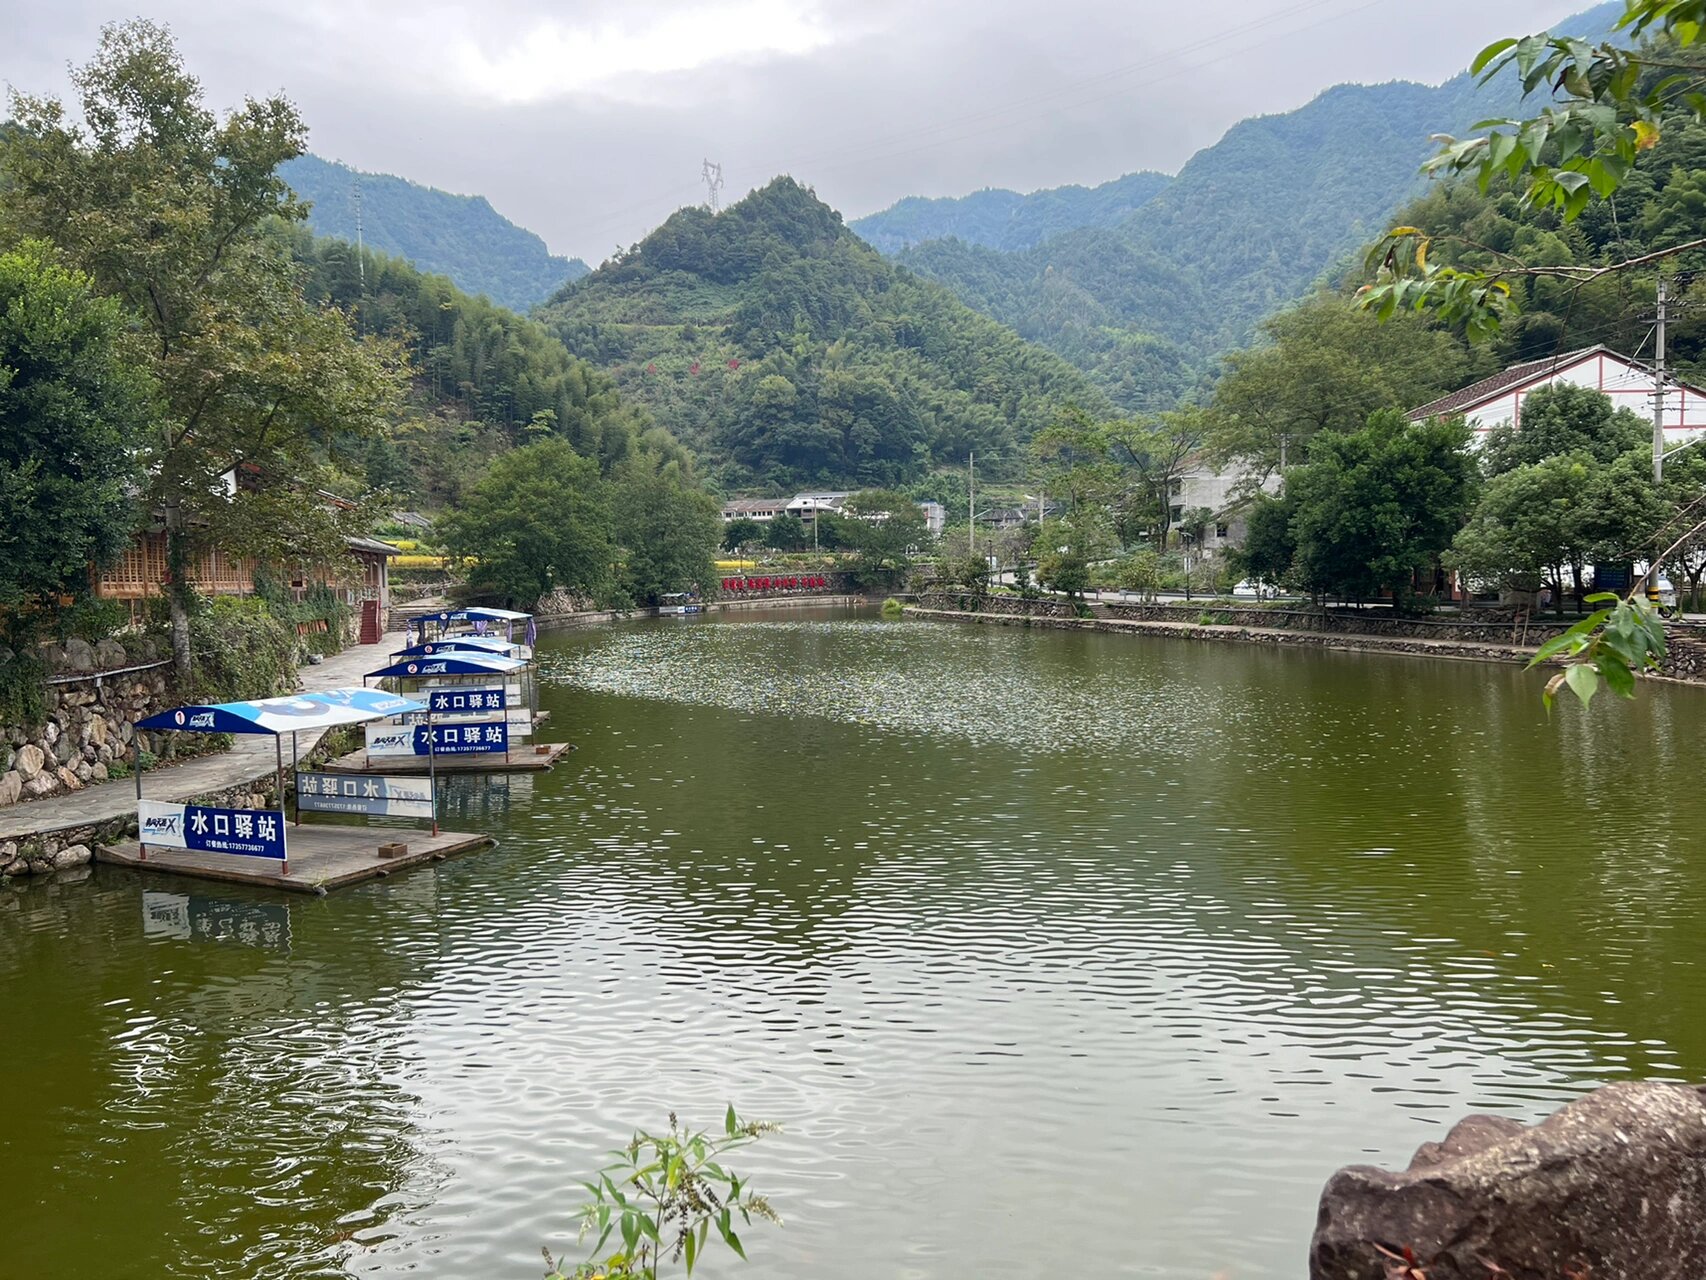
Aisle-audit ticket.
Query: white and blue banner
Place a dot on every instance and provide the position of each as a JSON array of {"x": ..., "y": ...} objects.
[
  {"x": 465, "y": 701},
  {"x": 373, "y": 794},
  {"x": 451, "y": 739},
  {"x": 252, "y": 833}
]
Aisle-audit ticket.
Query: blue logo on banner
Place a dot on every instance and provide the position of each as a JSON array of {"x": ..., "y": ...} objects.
[
  {"x": 445, "y": 701},
  {"x": 254, "y": 833}
]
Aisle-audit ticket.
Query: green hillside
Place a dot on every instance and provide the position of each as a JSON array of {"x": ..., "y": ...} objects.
[
  {"x": 784, "y": 350},
  {"x": 1248, "y": 225},
  {"x": 485, "y": 380},
  {"x": 462, "y": 237},
  {"x": 1005, "y": 220}
]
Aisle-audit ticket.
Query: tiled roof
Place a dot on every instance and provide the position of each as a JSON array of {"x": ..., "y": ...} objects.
[{"x": 1515, "y": 376}]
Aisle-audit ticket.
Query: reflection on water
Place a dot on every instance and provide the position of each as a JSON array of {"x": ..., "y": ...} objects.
[
  {"x": 190, "y": 917},
  {"x": 1031, "y": 939}
]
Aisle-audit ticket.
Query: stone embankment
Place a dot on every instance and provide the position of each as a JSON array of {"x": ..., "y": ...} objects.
[
  {"x": 1481, "y": 639},
  {"x": 94, "y": 696}
]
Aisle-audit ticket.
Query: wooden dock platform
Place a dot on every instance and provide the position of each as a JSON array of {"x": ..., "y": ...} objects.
[
  {"x": 525, "y": 758},
  {"x": 321, "y": 857}
]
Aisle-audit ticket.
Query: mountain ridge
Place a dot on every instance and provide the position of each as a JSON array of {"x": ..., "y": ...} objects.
[{"x": 459, "y": 236}]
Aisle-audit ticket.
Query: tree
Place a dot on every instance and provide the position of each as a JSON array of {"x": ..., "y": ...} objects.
[
  {"x": 1325, "y": 367},
  {"x": 1269, "y": 553},
  {"x": 1373, "y": 506},
  {"x": 742, "y": 532},
  {"x": 1527, "y": 530},
  {"x": 537, "y": 521},
  {"x": 1608, "y": 105},
  {"x": 1155, "y": 455},
  {"x": 75, "y": 410},
  {"x": 1566, "y": 419},
  {"x": 887, "y": 529},
  {"x": 169, "y": 209},
  {"x": 666, "y": 528},
  {"x": 787, "y": 533}
]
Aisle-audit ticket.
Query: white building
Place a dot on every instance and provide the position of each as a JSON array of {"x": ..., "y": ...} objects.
[
  {"x": 763, "y": 510},
  {"x": 1225, "y": 493},
  {"x": 1497, "y": 401}
]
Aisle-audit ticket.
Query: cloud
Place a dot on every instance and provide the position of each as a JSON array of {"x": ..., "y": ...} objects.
[{"x": 588, "y": 123}]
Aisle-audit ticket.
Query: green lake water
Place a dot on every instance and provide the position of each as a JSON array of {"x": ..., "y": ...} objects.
[{"x": 1053, "y": 953}]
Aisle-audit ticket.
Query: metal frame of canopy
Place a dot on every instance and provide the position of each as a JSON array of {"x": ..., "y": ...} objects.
[
  {"x": 460, "y": 663},
  {"x": 476, "y": 614},
  {"x": 323, "y": 709}
]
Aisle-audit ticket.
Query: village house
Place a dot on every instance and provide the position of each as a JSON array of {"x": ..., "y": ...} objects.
[
  {"x": 1497, "y": 401},
  {"x": 805, "y": 506}
]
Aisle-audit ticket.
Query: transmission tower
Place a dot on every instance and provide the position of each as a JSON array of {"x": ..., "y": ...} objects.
[{"x": 713, "y": 175}]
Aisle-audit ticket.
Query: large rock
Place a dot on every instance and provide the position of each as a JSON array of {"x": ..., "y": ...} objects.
[
  {"x": 1613, "y": 1186},
  {"x": 11, "y": 787},
  {"x": 69, "y": 780},
  {"x": 76, "y": 855},
  {"x": 110, "y": 654},
  {"x": 79, "y": 655},
  {"x": 30, "y": 761}
]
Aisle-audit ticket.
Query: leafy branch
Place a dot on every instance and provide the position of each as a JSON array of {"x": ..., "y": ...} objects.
[{"x": 662, "y": 1196}]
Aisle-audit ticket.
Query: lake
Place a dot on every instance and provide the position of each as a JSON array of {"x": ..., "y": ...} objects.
[{"x": 1051, "y": 952}]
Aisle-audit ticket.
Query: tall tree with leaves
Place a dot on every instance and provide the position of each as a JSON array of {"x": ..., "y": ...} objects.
[
  {"x": 167, "y": 206},
  {"x": 666, "y": 527},
  {"x": 74, "y": 413}
]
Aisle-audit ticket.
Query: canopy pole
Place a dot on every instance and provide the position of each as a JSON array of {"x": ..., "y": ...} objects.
[
  {"x": 432, "y": 765},
  {"x": 295, "y": 770},
  {"x": 278, "y": 779},
  {"x": 141, "y": 847}
]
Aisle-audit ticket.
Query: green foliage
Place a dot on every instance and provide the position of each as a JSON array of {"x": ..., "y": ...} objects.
[
  {"x": 461, "y": 237},
  {"x": 893, "y": 609},
  {"x": 662, "y": 1197},
  {"x": 1574, "y": 486},
  {"x": 1140, "y": 572},
  {"x": 23, "y": 684},
  {"x": 1373, "y": 506},
  {"x": 886, "y": 529},
  {"x": 90, "y": 619},
  {"x": 969, "y": 571},
  {"x": 786, "y": 351},
  {"x": 1609, "y": 108},
  {"x": 167, "y": 207},
  {"x": 483, "y": 379},
  {"x": 538, "y": 520},
  {"x": 667, "y": 531},
  {"x": 1611, "y": 646},
  {"x": 1324, "y": 366},
  {"x": 787, "y": 533},
  {"x": 75, "y": 412},
  {"x": 743, "y": 532},
  {"x": 241, "y": 650}
]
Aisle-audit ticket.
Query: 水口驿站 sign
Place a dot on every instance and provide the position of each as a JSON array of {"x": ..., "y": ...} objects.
[
  {"x": 252, "y": 833},
  {"x": 463, "y": 701},
  {"x": 371, "y": 793},
  {"x": 451, "y": 739}
]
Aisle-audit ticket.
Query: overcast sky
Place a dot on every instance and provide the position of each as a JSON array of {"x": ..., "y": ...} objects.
[{"x": 586, "y": 121}]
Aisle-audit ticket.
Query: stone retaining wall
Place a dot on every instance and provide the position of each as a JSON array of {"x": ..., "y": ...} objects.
[{"x": 95, "y": 695}]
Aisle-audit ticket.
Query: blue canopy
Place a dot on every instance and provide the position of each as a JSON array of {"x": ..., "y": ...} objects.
[
  {"x": 285, "y": 715},
  {"x": 467, "y": 663},
  {"x": 458, "y": 644}
]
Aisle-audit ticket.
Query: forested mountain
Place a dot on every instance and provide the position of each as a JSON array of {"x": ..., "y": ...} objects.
[
  {"x": 1000, "y": 219},
  {"x": 1249, "y": 224},
  {"x": 786, "y": 351},
  {"x": 462, "y": 237},
  {"x": 485, "y": 380}
]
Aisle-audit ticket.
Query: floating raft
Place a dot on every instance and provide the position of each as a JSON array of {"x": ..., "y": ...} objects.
[
  {"x": 525, "y": 758},
  {"x": 321, "y": 857}
]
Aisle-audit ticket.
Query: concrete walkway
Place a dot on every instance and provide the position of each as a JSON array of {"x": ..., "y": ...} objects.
[{"x": 251, "y": 757}]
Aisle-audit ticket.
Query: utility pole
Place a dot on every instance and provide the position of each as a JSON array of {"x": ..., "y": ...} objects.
[
  {"x": 1285, "y": 439},
  {"x": 971, "y": 504},
  {"x": 1659, "y": 389},
  {"x": 713, "y": 177},
  {"x": 360, "y": 249}
]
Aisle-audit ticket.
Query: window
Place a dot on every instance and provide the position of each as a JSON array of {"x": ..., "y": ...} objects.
[
  {"x": 1220, "y": 530},
  {"x": 1177, "y": 515}
]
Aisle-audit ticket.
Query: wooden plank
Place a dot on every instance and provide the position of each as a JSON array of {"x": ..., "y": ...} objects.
[{"x": 321, "y": 857}]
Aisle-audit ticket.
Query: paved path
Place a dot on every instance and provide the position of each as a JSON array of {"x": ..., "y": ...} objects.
[{"x": 250, "y": 757}]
